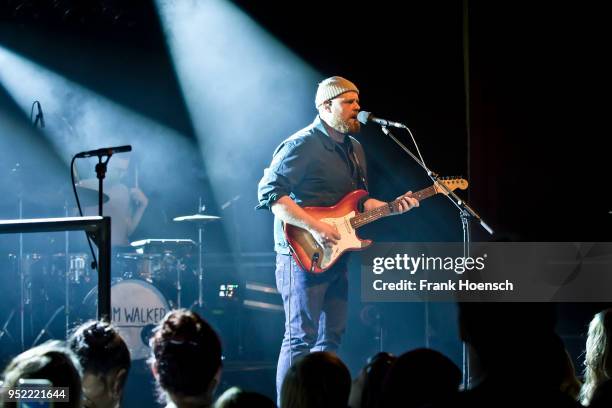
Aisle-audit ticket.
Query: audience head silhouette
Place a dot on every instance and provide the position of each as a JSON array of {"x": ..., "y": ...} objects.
[
  {"x": 51, "y": 361},
  {"x": 186, "y": 359},
  {"x": 598, "y": 359},
  {"x": 419, "y": 377},
  {"x": 105, "y": 359},
  {"x": 237, "y": 398},
  {"x": 318, "y": 379},
  {"x": 366, "y": 391}
]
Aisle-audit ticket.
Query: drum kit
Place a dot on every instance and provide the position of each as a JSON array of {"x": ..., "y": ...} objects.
[{"x": 151, "y": 278}]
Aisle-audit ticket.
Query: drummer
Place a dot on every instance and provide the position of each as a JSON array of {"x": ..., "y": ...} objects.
[{"x": 125, "y": 206}]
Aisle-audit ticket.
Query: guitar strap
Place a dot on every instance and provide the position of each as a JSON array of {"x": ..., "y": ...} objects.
[{"x": 360, "y": 170}]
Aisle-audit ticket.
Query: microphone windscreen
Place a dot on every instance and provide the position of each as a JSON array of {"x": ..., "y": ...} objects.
[{"x": 363, "y": 117}]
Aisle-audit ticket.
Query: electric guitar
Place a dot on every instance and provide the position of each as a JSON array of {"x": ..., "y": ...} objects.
[{"x": 346, "y": 218}]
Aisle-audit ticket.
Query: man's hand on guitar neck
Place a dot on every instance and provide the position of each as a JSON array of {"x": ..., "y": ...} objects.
[{"x": 406, "y": 203}]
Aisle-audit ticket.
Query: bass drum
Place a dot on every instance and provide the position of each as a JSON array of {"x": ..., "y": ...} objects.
[{"x": 137, "y": 307}]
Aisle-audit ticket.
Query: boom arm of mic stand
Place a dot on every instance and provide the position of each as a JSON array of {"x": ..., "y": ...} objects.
[
  {"x": 387, "y": 132},
  {"x": 454, "y": 198},
  {"x": 463, "y": 206}
]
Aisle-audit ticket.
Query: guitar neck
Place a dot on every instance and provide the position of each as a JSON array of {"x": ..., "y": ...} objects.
[{"x": 391, "y": 208}]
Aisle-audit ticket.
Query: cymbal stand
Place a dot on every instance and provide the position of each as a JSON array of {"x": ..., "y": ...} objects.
[
  {"x": 4, "y": 330},
  {"x": 45, "y": 329},
  {"x": 67, "y": 273},
  {"x": 179, "y": 287},
  {"x": 22, "y": 283},
  {"x": 25, "y": 297},
  {"x": 200, "y": 248}
]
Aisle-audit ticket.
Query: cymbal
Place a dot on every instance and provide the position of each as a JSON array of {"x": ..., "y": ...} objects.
[
  {"x": 163, "y": 246},
  {"x": 89, "y": 196},
  {"x": 163, "y": 241},
  {"x": 197, "y": 218}
]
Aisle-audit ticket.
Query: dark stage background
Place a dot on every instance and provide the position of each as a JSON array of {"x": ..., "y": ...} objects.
[{"x": 504, "y": 93}]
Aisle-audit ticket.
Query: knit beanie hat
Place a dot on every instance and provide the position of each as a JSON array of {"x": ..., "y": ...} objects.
[{"x": 332, "y": 87}]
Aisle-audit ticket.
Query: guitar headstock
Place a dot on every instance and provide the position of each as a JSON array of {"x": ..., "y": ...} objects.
[{"x": 451, "y": 183}]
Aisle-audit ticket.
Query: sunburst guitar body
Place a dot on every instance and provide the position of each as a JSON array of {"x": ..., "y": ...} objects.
[{"x": 345, "y": 216}]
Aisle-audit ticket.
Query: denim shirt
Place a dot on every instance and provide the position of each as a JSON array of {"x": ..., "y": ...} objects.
[{"x": 312, "y": 169}]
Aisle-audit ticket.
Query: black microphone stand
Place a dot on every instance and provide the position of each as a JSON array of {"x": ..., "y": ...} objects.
[
  {"x": 466, "y": 213},
  {"x": 100, "y": 174},
  {"x": 100, "y": 168}
]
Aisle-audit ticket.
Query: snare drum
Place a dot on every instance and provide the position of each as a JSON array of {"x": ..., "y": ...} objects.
[
  {"x": 132, "y": 265},
  {"x": 137, "y": 307},
  {"x": 164, "y": 270}
]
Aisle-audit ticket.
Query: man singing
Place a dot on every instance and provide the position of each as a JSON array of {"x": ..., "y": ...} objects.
[{"x": 317, "y": 166}]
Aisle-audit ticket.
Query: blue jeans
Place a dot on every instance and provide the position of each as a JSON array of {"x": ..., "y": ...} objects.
[{"x": 315, "y": 310}]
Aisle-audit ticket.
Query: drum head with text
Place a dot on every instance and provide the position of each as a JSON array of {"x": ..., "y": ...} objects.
[{"x": 137, "y": 307}]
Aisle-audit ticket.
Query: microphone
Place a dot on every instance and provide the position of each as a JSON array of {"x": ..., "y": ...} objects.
[
  {"x": 105, "y": 151},
  {"x": 40, "y": 115},
  {"x": 365, "y": 117}
]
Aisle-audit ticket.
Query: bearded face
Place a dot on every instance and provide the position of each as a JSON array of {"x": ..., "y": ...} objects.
[
  {"x": 345, "y": 125},
  {"x": 341, "y": 113}
]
